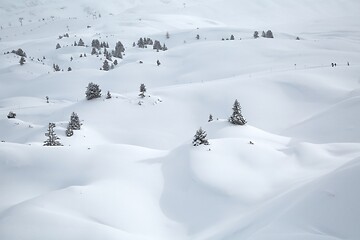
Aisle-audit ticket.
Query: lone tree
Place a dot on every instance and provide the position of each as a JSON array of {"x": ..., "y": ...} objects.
[
  {"x": 256, "y": 34},
  {"x": 200, "y": 138},
  {"x": 58, "y": 46},
  {"x": 237, "y": 118},
  {"x": 142, "y": 90},
  {"x": 22, "y": 61},
  {"x": 210, "y": 118},
  {"x": 92, "y": 91},
  {"x": 167, "y": 35},
  {"x": 232, "y": 37},
  {"x": 75, "y": 121},
  {"x": 52, "y": 138},
  {"x": 108, "y": 95}
]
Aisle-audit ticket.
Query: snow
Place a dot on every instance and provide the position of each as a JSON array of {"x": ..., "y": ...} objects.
[{"x": 131, "y": 171}]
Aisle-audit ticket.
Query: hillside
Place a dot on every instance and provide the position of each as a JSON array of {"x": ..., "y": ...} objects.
[{"x": 131, "y": 171}]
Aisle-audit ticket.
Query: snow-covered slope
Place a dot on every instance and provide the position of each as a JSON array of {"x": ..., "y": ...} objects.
[{"x": 131, "y": 172}]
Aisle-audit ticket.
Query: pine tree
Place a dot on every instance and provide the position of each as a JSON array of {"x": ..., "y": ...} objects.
[
  {"x": 74, "y": 122},
  {"x": 157, "y": 45},
  {"x": 92, "y": 91},
  {"x": 81, "y": 43},
  {"x": 232, "y": 37},
  {"x": 52, "y": 138},
  {"x": 58, "y": 46},
  {"x": 197, "y": 36},
  {"x": 256, "y": 34},
  {"x": 69, "y": 131},
  {"x": 119, "y": 48},
  {"x": 69, "y": 69},
  {"x": 106, "y": 66},
  {"x": 142, "y": 90},
  {"x": 269, "y": 34},
  {"x": 11, "y": 115},
  {"x": 210, "y": 118},
  {"x": 158, "y": 63},
  {"x": 108, "y": 95},
  {"x": 140, "y": 43},
  {"x": 263, "y": 34},
  {"x": 200, "y": 138},
  {"x": 236, "y": 117},
  {"x": 167, "y": 35},
  {"x": 22, "y": 61},
  {"x": 115, "y": 62}
]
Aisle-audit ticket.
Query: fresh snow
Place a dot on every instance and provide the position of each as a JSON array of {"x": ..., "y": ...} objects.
[{"x": 131, "y": 171}]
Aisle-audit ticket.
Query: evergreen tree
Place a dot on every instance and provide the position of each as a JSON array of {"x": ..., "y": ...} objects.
[
  {"x": 269, "y": 34},
  {"x": 106, "y": 66},
  {"x": 197, "y": 36},
  {"x": 56, "y": 67},
  {"x": 69, "y": 131},
  {"x": 58, "y": 46},
  {"x": 52, "y": 138},
  {"x": 200, "y": 138},
  {"x": 263, "y": 34},
  {"x": 75, "y": 44},
  {"x": 157, "y": 45},
  {"x": 115, "y": 62},
  {"x": 142, "y": 90},
  {"x": 210, "y": 118},
  {"x": 92, "y": 91},
  {"x": 95, "y": 43},
  {"x": 236, "y": 117},
  {"x": 232, "y": 37},
  {"x": 256, "y": 34},
  {"x": 119, "y": 48},
  {"x": 108, "y": 95},
  {"x": 69, "y": 69},
  {"x": 167, "y": 35},
  {"x": 81, "y": 43},
  {"x": 158, "y": 62},
  {"x": 74, "y": 122},
  {"x": 22, "y": 61},
  {"x": 164, "y": 47},
  {"x": 11, "y": 115}
]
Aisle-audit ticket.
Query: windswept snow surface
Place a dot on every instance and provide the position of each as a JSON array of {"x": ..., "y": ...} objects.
[{"x": 131, "y": 171}]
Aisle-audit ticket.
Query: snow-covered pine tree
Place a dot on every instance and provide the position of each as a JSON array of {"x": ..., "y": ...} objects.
[
  {"x": 52, "y": 138},
  {"x": 232, "y": 37},
  {"x": 210, "y": 118},
  {"x": 119, "y": 48},
  {"x": 263, "y": 34},
  {"x": 75, "y": 121},
  {"x": 236, "y": 117},
  {"x": 142, "y": 90},
  {"x": 106, "y": 66},
  {"x": 69, "y": 69},
  {"x": 197, "y": 36},
  {"x": 200, "y": 138},
  {"x": 108, "y": 95},
  {"x": 140, "y": 43},
  {"x": 81, "y": 43},
  {"x": 22, "y": 61},
  {"x": 58, "y": 46},
  {"x": 11, "y": 115},
  {"x": 256, "y": 34},
  {"x": 269, "y": 34},
  {"x": 93, "y": 91},
  {"x": 69, "y": 131},
  {"x": 115, "y": 62},
  {"x": 157, "y": 45},
  {"x": 93, "y": 51},
  {"x": 167, "y": 35}
]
